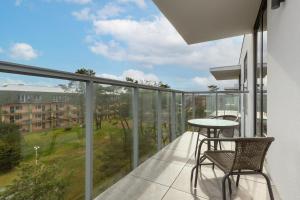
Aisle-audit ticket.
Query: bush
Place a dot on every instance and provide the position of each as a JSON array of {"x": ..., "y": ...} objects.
[
  {"x": 37, "y": 182},
  {"x": 10, "y": 146},
  {"x": 67, "y": 129}
]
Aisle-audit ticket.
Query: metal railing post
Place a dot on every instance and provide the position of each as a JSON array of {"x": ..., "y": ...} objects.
[
  {"x": 182, "y": 113},
  {"x": 89, "y": 104},
  {"x": 173, "y": 116},
  {"x": 193, "y": 106},
  {"x": 216, "y": 103},
  {"x": 135, "y": 128},
  {"x": 158, "y": 122}
]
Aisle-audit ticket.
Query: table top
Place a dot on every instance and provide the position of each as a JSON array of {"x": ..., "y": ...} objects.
[{"x": 212, "y": 123}]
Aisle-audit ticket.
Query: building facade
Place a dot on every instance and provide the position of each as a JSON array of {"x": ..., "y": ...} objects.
[{"x": 35, "y": 108}]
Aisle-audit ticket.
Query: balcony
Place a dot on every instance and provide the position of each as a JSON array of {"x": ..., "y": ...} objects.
[
  {"x": 166, "y": 175},
  {"x": 126, "y": 141}
]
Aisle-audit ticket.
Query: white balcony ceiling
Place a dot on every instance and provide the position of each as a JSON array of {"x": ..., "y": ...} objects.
[
  {"x": 226, "y": 73},
  {"x": 205, "y": 20}
]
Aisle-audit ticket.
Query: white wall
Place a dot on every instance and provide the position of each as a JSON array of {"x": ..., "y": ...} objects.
[
  {"x": 284, "y": 97},
  {"x": 247, "y": 48}
]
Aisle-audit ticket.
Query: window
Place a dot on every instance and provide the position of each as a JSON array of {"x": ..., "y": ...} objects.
[
  {"x": 22, "y": 98},
  {"x": 12, "y": 109},
  {"x": 37, "y": 97},
  {"x": 12, "y": 119},
  {"x": 38, "y": 124},
  {"x": 18, "y": 117},
  {"x": 18, "y": 107},
  {"x": 38, "y": 107},
  {"x": 38, "y": 115}
]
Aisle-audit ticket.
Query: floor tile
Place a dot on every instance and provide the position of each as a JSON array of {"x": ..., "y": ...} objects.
[
  {"x": 173, "y": 194},
  {"x": 133, "y": 188},
  {"x": 173, "y": 156},
  {"x": 158, "y": 171}
]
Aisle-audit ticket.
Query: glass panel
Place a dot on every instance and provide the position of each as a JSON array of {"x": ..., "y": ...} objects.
[
  {"x": 228, "y": 104},
  {"x": 210, "y": 105},
  {"x": 188, "y": 98},
  {"x": 178, "y": 114},
  {"x": 147, "y": 129},
  {"x": 201, "y": 103},
  {"x": 42, "y": 140},
  {"x": 166, "y": 117},
  {"x": 112, "y": 135}
]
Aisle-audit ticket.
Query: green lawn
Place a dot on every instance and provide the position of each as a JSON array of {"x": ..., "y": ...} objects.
[{"x": 66, "y": 148}]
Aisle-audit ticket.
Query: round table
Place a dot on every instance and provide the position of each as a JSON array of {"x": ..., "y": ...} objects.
[{"x": 211, "y": 124}]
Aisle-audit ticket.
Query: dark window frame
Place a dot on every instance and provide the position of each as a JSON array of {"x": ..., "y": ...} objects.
[{"x": 258, "y": 23}]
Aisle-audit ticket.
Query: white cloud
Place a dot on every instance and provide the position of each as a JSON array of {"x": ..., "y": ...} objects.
[
  {"x": 139, "y": 3},
  {"x": 8, "y": 81},
  {"x": 1, "y": 50},
  {"x": 156, "y": 42},
  {"x": 141, "y": 76},
  {"x": 83, "y": 15},
  {"x": 204, "y": 82},
  {"x": 79, "y": 1},
  {"x": 110, "y": 76},
  {"x": 18, "y": 2},
  {"x": 108, "y": 11},
  {"x": 23, "y": 51}
]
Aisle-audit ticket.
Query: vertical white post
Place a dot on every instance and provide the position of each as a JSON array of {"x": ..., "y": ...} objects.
[
  {"x": 193, "y": 106},
  {"x": 182, "y": 113},
  {"x": 173, "y": 116},
  {"x": 89, "y": 104},
  {"x": 135, "y": 129},
  {"x": 158, "y": 118},
  {"x": 216, "y": 104}
]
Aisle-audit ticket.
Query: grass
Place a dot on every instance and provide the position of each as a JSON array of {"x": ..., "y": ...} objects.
[{"x": 112, "y": 157}]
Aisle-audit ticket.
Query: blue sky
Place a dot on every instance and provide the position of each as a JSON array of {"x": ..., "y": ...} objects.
[{"x": 116, "y": 38}]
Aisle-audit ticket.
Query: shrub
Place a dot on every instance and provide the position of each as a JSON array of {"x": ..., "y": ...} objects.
[
  {"x": 68, "y": 128},
  {"x": 10, "y": 146},
  {"x": 37, "y": 182}
]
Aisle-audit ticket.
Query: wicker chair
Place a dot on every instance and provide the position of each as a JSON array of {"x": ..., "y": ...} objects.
[
  {"x": 248, "y": 158},
  {"x": 227, "y": 132}
]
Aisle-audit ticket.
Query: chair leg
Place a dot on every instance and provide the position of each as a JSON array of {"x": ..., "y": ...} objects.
[
  {"x": 192, "y": 174},
  {"x": 237, "y": 180},
  {"x": 220, "y": 145},
  {"x": 229, "y": 186},
  {"x": 224, "y": 186},
  {"x": 269, "y": 185},
  {"x": 197, "y": 143}
]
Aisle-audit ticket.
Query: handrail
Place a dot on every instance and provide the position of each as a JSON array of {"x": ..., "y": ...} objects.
[
  {"x": 21, "y": 69},
  {"x": 15, "y": 68}
]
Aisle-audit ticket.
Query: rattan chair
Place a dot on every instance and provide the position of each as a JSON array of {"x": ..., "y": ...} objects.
[
  {"x": 247, "y": 158},
  {"x": 227, "y": 132}
]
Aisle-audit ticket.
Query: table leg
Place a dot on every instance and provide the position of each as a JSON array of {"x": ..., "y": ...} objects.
[
  {"x": 208, "y": 136},
  {"x": 215, "y": 142},
  {"x": 197, "y": 142}
]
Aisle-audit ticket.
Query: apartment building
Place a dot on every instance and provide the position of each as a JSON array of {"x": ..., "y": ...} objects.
[{"x": 36, "y": 108}]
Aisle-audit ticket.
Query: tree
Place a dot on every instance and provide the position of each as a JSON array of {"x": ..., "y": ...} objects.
[
  {"x": 85, "y": 71},
  {"x": 37, "y": 182},
  {"x": 213, "y": 87},
  {"x": 10, "y": 146}
]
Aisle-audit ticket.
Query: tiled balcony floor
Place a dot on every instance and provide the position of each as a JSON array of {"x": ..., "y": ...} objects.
[{"x": 166, "y": 176}]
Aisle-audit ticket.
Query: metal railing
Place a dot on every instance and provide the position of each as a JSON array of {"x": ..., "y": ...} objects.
[{"x": 193, "y": 104}]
